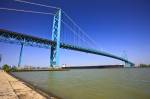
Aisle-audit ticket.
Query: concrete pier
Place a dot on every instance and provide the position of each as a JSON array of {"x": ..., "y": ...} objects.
[{"x": 12, "y": 88}]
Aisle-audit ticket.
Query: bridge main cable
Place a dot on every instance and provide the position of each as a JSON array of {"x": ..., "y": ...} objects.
[
  {"x": 37, "y": 4},
  {"x": 27, "y": 11},
  {"x": 93, "y": 43}
]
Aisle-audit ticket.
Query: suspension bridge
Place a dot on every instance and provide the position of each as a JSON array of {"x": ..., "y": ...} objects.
[{"x": 77, "y": 40}]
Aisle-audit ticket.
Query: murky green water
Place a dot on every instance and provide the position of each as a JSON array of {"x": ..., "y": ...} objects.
[{"x": 128, "y": 83}]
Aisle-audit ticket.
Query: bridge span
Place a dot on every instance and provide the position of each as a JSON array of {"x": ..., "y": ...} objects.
[{"x": 28, "y": 40}]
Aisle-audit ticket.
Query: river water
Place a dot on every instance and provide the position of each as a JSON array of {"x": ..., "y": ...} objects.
[{"x": 117, "y": 83}]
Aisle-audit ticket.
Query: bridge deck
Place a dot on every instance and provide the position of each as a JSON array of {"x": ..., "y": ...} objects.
[{"x": 18, "y": 38}]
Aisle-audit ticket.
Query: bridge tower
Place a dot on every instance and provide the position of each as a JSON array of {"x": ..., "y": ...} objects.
[
  {"x": 20, "y": 55},
  {"x": 126, "y": 64},
  {"x": 54, "y": 57},
  {"x": 0, "y": 60}
]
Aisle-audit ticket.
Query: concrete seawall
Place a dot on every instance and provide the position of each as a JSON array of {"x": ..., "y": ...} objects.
[{"x": 12, "y": 88}]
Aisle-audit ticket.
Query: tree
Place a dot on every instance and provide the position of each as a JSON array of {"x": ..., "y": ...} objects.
[
  {"x": 6, "y": 68},
  {"x": 14, "y": 68},
  {"x": 144, "y": 65}
]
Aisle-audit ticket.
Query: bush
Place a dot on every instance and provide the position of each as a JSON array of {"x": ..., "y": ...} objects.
[
  {"x": 14, "y": 68},
  {"x": 144, "y": 65},
  {"x": 6, "y": 68}
]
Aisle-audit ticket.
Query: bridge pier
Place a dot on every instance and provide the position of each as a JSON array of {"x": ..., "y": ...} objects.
[
  {"x": 128, "y": 64},
  {"x": 54, "y": 57},
  {"x": 20, "y": 56}
]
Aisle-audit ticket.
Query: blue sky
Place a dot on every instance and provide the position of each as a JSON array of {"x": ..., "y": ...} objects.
[{"x": 115, "y": 25}]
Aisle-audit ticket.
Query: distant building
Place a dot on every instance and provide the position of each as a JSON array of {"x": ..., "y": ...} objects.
[{"x": 64, "y": 65}]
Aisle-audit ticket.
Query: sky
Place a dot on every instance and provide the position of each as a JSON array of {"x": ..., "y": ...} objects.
[{"x": 117, "y": 26}]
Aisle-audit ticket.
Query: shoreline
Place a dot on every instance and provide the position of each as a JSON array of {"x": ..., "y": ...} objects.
[
  {"x": 13, "y": 87},
  {"x": 47, "y": 95}
]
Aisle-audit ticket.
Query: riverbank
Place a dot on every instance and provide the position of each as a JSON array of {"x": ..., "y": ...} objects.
[
  {"x": 12, "y": 88},
  {"x": 94, "y": 67}
]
